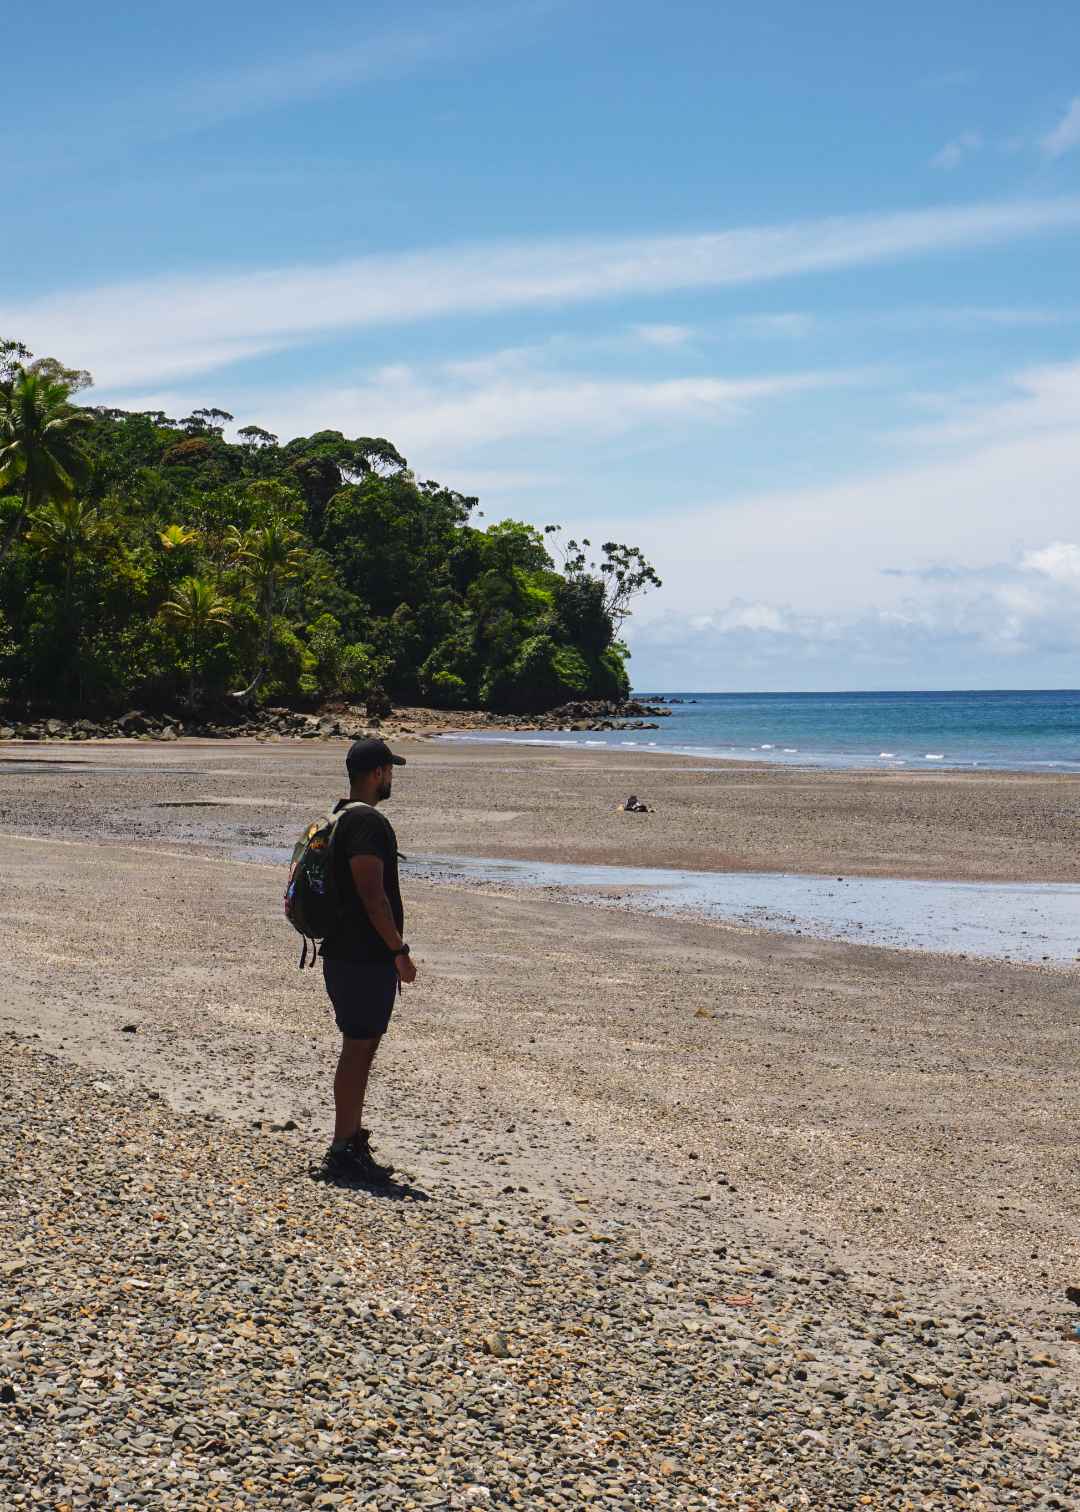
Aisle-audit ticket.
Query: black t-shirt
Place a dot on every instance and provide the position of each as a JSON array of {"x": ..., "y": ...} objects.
[{"x": 362, "y": 831}]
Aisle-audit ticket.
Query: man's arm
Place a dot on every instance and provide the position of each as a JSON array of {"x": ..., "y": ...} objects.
[{"x": 367, "y": 875}]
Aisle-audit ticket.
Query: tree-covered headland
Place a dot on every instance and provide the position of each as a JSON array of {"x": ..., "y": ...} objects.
[{"x": 146, "y": 559}]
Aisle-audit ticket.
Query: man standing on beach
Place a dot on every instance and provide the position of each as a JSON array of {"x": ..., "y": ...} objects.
[{"x": 366, "y": 959}]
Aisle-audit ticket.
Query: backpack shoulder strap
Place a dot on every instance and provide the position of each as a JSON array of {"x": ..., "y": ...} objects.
[{"x": 335, "y": 814}]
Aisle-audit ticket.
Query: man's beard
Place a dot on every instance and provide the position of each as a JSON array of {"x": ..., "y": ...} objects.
[{"x": 384, "y": 790}]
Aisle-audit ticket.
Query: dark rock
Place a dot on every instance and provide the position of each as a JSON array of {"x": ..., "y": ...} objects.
[{"x": 134, "y": 722}]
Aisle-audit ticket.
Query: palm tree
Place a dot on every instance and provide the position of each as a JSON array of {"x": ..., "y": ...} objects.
[
  {"x": 66, "y": 529},
  {"x": 270, "y": 556},
  {"x": 39, "y": 451},
  {"x": 192, "y": 608},
  {"x": 173, "y": 537}
]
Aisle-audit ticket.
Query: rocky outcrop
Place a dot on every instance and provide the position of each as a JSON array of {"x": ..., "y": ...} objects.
[
  {"x": 336, "y": 723},
  {"x": 628, "y": 714}
]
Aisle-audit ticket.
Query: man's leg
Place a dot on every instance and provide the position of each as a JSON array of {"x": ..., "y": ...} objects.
[{"x": 350, "y": 1085}]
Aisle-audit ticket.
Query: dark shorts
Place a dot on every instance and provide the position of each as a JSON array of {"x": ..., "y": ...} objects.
[{"x": 363, "y": 994}]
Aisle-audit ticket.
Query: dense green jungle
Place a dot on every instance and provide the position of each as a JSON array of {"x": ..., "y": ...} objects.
[{"x": 149, "y": 560}]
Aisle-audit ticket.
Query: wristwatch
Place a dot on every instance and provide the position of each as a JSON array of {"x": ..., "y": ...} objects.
[{"x": 403, "y": 951}]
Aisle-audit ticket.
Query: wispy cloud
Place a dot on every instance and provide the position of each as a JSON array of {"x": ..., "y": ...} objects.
[
  {"x": 666, "y": 336},
  {"x": 446, "y": 413},
  {"x": 1036, "y": 401},
  {"x": 957, "y": 151},
  {"x": 1066, "y": 134},
  {"x": 140, "y": 327},
  {"x": 298, "y": 73}
]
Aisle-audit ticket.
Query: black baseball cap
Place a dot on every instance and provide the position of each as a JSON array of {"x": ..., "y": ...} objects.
[{"x": 365, "y": 755}]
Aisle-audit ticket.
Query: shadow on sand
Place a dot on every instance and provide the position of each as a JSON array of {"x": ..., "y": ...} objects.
[{"x": 390, "y": 1191}]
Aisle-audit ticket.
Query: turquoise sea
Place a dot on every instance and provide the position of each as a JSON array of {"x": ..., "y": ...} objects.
[{"x": 1018, "y": 731}]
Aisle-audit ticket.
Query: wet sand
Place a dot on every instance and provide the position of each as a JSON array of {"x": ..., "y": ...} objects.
[{"x": 548, "y": 804}]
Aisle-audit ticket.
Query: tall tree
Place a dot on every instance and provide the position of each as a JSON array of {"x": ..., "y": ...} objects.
[
  {"x": 40, "y": 456},
  {"x": 269, "y": 555},
  {"x": 624, "y": 572},
  {"x": 67, "y": 531},
  {"x": 193, "y": 608}
]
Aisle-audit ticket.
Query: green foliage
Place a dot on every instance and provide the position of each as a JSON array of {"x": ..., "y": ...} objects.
[
  {"x": 40, "y": 458},
  {"x": 542, "y": 674},
  {"x": 324, "y": 648},
  {"x": 581, "y": 613},
  {"x": 147, "y": 559},
  {"x": 362, "y": 671},
  {"x": 447, "y": 691}
]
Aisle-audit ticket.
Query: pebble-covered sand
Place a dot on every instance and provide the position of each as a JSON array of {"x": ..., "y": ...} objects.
[
  {"x": 190, "y": 1321},
  {"x": 687, "y": 1217}
]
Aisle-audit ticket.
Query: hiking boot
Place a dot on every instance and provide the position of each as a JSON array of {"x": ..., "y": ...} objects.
[
  {"x": 342, "y": 1168},
  {"x": 338, "y": 1166},
  {"x": 367, "y": 1166},
  {"x": 354, "y": 1163}
]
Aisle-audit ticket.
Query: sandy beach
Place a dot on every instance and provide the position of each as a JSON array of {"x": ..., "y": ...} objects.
[{"x": 860, "y": 1140}]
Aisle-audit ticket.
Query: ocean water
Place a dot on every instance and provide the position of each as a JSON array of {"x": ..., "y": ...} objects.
[{"x": 1017, "y": 731}]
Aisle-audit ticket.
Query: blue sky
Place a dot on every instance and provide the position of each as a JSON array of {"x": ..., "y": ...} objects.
[{"x": 786, "y": 295}]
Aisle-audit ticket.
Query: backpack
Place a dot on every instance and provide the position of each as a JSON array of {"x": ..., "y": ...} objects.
[{"x": 313, "y": 902}]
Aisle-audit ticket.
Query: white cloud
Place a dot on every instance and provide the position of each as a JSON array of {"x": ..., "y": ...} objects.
[
  {"x": 996, "y": 630},
  {"x": 1066, "y": 134},
  {"x": 956, "y": 151},
  {"x": 1003, "y": 483},
  {"x": 151, "y": 326},
  {"x": 439, "y": 415},
  {"x": 755, "y": 617},
  {"x": 1038, "y": 400},
  {"x": 181, "y": 362},
  {"x": 1059, "y": 561}
]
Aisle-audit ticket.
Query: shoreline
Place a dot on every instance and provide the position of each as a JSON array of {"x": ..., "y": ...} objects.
[
  {"x": 823, "y": 763},
  {"x": 545, "y": 803},
  {"x": 811, "y": 762}
]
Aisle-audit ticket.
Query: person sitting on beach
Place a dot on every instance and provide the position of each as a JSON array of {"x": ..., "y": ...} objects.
[{"x": 632, "y": 806}]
